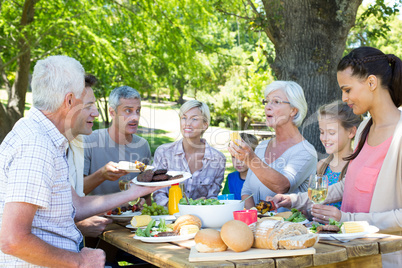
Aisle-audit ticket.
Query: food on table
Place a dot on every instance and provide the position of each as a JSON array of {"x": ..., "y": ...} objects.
[
  {"x": 298, "y": 241},
  {"x": 282, "y": 235},
  {"x": 237, "y": 235},
  {"x": 296, "y": 216},
  {"x": 186, "y": 220},
  {"x": 126, "y": 165},
  {"x": 284, "y": 215},
  {"x": 154, "y": 210},
  {"x": 235, "y": 136},
  {"x": 201, "y": 202},
  {"x": 120, "y": 210},
  {"x": 157, "y": 175},
  {"x": 328, "y": 229},
  {"x": 165, "y": 234},
  {"x": 354, "y": 226},
  {"x": 153, "y": 231},
  {"x": 332, "y": 228},
  {"x": 189, "y": 229},
  {"x": 274, "y": 218},
  {"x": 209, "y": 240},
  {"x": 265, "y": 206},
  {"x": 141, "y": 220}
]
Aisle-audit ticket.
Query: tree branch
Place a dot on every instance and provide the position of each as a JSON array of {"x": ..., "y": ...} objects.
[{"x": 253, "y": 7}]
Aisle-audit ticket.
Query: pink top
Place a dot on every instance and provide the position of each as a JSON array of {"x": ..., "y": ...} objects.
[{"x": 361, "y": 177}]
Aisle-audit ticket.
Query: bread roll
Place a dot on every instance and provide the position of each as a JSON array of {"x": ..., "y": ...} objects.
[
  {"x": 209, "y": 240},
  {"x": 186, "y": 220},
  {"x": 298, "y": 241},
  {"x": 269, "y": 232},
  {"x": 237, "y": 235}
]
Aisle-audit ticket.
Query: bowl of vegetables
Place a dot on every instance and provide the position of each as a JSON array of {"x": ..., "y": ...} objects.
[{"x": 212, "y": 212}]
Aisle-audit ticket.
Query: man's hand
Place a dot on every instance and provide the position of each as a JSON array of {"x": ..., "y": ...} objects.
[
  {"x": 92, "y": 258},
  {"x": 111, "y": 172},
  {"x": 93, "y": 226}
]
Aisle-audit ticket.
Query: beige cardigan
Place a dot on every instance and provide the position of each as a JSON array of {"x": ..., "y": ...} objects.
[{"x": 386, "y": 204}]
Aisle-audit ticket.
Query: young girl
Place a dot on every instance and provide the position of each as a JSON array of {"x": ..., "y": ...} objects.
[{"x": 338, "y": 125}]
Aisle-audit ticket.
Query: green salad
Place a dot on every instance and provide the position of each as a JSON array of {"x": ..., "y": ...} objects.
[
  {"x": 200, "y": 202},
  {"x": 152, "y": 230},
  {"x": 296, "y": 216}
]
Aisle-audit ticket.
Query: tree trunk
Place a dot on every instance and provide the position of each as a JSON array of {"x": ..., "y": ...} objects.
[
  {"x": 309, "y": 38},
  {"x": 16, "y": 97}
]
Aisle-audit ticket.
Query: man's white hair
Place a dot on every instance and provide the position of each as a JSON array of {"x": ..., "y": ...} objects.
[{"x": 53, "y": 78}]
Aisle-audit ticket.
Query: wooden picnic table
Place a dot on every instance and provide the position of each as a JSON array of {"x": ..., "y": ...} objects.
[{"x": 363, "y": 252}]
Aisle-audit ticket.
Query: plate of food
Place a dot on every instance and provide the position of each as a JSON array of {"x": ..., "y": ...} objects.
[
  {"x": 184, "y": 228},
  {"x": 162, "y": 239},
  {"x": 123, "y": 216},
  {"x": 343, "y": 231},
  {"x": 129, "y": 226},
  {"x": 165, "y": 217},
  {"x": 160, "y": 177},
  {"x": 136, "y": 166}
]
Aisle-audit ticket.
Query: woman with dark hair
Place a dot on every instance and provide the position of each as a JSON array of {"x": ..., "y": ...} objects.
[{"x": 371, "y": 81}]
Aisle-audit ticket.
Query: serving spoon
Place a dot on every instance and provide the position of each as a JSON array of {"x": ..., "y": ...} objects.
[{"x": 246, "y": 198}]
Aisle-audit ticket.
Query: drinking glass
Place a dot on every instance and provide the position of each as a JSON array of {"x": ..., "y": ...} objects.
[{"x": 317, "y": 188}]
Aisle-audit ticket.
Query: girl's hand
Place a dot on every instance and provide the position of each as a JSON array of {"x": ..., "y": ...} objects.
[
  {"x": 280, "y": 200},
  {"x": 322, "y": 213}
]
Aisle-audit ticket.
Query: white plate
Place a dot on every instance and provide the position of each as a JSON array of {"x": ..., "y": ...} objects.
[
  {"x": 125, "y": 216},
  {"x": 165, "y": 239},
  {"x": 143, "y": 227},
  {"x": 135, "y": 169},
  {"x": 186, "y": 175},
  {"x": 166, "y": 217},
  {"x": 303, "y": 222},
  {"x": 370, "y": 230}
]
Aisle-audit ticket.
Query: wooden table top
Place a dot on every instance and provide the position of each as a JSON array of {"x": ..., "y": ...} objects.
[{"x": 364, "y": 252}]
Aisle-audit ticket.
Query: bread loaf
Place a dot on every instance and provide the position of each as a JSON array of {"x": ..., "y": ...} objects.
[
  {"x": 268, "y": 233},
  {"x": 298, "y": 241}
]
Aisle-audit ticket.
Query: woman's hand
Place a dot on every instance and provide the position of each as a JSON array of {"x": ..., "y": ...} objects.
[
  {"x": 280, "y": 200},
  {"x": 242, "y": 151},
  {"x": 322, "y": 213}
]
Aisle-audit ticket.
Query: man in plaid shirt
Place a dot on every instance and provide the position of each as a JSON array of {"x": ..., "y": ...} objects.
[{"x": 37, "y": 206}]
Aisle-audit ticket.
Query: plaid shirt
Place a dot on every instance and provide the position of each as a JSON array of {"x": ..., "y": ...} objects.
[
  {"x": 205, "y": 182},
  {"x": 33, "y": 169}
]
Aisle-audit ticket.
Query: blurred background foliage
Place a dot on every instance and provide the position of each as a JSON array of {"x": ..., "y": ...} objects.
[{"x": 168, "y": 50}]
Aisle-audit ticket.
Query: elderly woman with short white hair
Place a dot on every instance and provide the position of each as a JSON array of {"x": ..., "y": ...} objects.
[
  {"x": 192, "y": 154},
  {"x": 284, "y": 163}
]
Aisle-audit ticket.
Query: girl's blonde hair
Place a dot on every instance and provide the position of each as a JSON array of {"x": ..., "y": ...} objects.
[{"x": 340, "y": 111}]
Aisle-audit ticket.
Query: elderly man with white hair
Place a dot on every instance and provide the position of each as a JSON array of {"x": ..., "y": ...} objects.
[{"x": 38, "y": 207}]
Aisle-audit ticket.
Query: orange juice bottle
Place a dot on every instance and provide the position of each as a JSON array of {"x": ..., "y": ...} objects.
[{"x": 175, "y": 195}]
